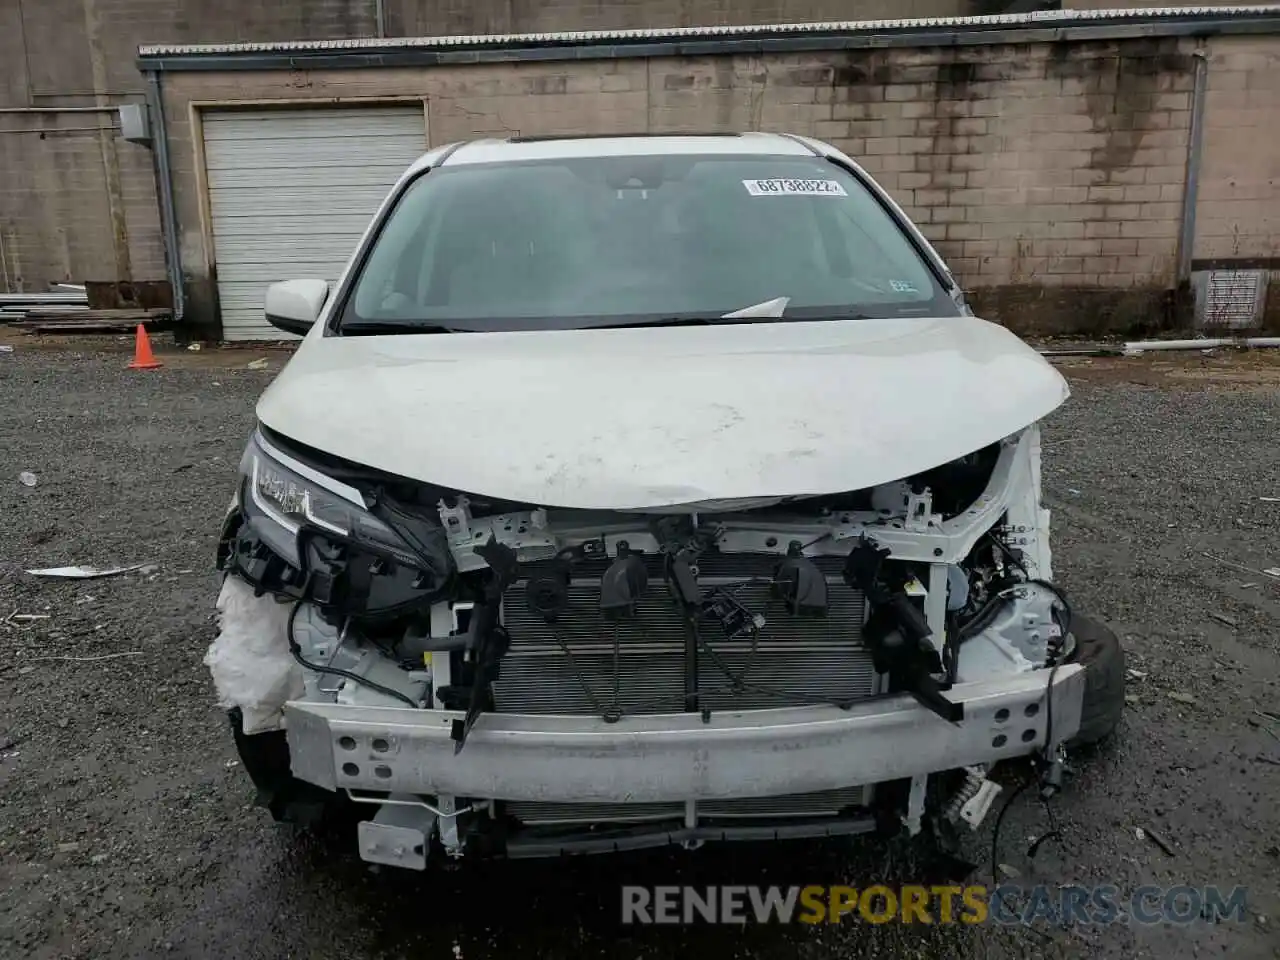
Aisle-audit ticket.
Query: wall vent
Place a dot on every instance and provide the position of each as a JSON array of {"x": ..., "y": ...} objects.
[{"x": 1229, "y": 299}]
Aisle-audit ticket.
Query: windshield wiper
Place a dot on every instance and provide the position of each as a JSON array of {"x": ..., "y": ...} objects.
[
  {"x": 766, "y": 310},
  {"x": 375, "y": 327}
]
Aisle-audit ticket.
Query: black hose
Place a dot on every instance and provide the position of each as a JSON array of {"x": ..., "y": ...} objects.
[
  {"x": 296, "y": 650},
  {"x": 995, "y": 833}
]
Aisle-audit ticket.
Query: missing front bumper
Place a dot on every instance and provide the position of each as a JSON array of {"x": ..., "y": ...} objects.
[{"x": 648, "y": 759}]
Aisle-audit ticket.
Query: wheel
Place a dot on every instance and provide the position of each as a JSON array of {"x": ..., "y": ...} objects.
[
  {"x": 266, "y": 759},
  {"x": 1098, "y": 650}
]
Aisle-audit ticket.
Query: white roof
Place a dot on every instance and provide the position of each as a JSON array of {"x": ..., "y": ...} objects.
[{"x": 555, "y": 148}]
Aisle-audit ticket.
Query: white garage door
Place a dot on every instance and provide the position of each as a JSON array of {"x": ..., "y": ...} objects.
[{"x": 292, "y": 190}]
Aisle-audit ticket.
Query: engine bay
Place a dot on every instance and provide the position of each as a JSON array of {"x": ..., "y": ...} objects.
[{"x": 404, "y": 594}]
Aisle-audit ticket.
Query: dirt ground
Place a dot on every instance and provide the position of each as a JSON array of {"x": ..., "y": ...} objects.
[{"x": 126, "y": 825}]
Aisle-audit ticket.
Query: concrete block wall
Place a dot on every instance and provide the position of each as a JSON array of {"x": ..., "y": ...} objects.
[
  {"x": 80, "y": 205},
  {"x": 76, "y": 202},
  {"x": 433, "y": 18},
  {"x": 1237, "y": 213},
  {"x": 1050, "y": 175},
  {"x": 59, "y": 54},
  {"x": 68, "y": 52},
  {"x": 1136, "y": 4}
]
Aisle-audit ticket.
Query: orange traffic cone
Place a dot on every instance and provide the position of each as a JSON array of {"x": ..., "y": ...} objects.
[{"x": 143, "y": 358}]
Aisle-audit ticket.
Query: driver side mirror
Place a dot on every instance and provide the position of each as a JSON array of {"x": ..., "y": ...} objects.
[{"x": 294, "y": 305}]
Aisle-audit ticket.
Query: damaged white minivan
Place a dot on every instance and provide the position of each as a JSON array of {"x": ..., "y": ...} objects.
[{"x": 645, "y": 490}]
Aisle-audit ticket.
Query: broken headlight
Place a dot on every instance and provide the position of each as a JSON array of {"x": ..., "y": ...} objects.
[{"x": 283, "y": 497}]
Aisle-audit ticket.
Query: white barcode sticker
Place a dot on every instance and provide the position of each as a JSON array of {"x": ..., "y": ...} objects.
[{"x": 779, "y": 187}]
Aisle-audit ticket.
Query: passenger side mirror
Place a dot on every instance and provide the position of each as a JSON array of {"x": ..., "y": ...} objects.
[{"x": 294, "y": 305}]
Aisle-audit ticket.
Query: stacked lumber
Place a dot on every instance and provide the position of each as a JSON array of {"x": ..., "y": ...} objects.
[{"x": 91, "y": 321}]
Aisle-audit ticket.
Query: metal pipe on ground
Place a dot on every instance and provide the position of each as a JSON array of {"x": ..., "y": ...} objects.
[
  {"x": 1133, "y": 348},
  {"x": 1142, "y": 346}
]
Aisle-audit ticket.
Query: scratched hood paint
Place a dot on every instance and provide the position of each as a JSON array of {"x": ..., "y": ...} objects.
[{"x": 651, "y": 417}]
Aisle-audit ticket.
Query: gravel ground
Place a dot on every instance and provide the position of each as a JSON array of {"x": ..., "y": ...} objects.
[{"x": 126, "y": 828}]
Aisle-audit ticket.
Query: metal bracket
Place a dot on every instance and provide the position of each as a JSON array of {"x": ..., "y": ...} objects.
[
  {"x": 973, "y": 800},
  {"x": 915, "y": 804},
  {"x": 919, "y": 511},
  {"x": 399, "y": 835},
  {"x": 457, "y": 521},
  {"x": 450, "y": 838}
]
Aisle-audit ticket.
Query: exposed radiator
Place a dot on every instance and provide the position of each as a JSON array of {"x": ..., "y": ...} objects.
[{"x": 574, "y": 666}]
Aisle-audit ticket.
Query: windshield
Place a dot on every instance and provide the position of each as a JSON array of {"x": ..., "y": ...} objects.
[{"x": 595, "y": 241}]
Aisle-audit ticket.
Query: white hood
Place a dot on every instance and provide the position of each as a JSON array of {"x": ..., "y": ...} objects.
[{"x": 650, "y": 417}]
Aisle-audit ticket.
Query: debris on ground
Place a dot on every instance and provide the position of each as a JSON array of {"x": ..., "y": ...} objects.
[
  {"x": 1223, "y": 618},
  {"x": 83, "y": 573},
  {"x": 1135, "y": 675},
  {"x": 1146, "y": 833},
  {"x": 258, "y": 364},
  {"x": 101, "y": 656},
  {"x": 1182, "y": 697},
  {"x": 195, "y": 347},
  {"x": 6, "y": 348},
  {"x": 1272, "y": 572},
  {"x": 15, "y": 619},
  {"x": 121, "y": 791},
  {"x": 28, "y": 479},
  {"x": 1265, "y": 721}
]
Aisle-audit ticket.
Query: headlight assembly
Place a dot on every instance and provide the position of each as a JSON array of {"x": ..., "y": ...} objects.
[{"x": 283, "y": 498}]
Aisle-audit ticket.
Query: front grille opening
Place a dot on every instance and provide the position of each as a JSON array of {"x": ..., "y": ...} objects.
[{"x": 584, "y": 665}]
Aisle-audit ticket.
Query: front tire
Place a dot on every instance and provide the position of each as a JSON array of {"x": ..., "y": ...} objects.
[
  {"x": 266, "y": 759},
  {"x": 1098, "y": 650}
]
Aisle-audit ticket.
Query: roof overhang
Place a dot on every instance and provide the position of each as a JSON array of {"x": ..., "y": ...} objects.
[{"x": 1034, "y": 27}]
